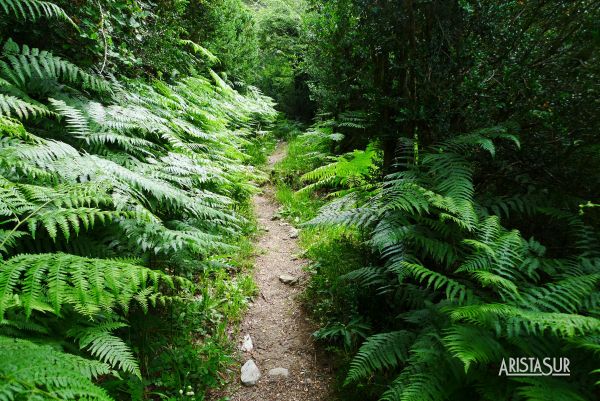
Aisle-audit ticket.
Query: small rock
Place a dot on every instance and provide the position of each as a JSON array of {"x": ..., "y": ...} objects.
[
  {"x": 288, "y": 279},
  {"x": 279, "y": 372},
  {"x": 293, "y": 233},
  {"x": 247, "y": 345},
  {"x": 284, "y": 224},
  {"x": 275, "y": 217},
  {"x": 250, "y": 373}
]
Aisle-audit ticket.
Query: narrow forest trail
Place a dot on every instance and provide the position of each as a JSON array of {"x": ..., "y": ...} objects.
[{"x": 280, "y": 330}]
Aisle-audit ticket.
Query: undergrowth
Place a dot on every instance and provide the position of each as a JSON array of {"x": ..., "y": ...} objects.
[{"x": 419, "y": 289}]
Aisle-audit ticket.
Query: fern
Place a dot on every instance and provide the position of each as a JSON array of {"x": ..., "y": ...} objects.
[
  {"x": 76, "y": 121},
  {"x": 29, "y": 370},
  {"x": 435, "y": 280},
  {"x": 548, "y": 389},
  {"x": 49, "y": 282},
  {"x": 26, "y": 64},
  {"x": 34, "y": 9},
  {"x": 472, "y": 345},
  {"x": 514, "y": 321},
  {"x": 10, "y": 105},
  {"x": 93, "y": 171},
  {"x": 110, "y": 349},
  {"x": 380, "y": 351},
  {"x": 474, "y": 291},
  {"x": 200, "y": 49},
  {"x": 348, "y": 171}
]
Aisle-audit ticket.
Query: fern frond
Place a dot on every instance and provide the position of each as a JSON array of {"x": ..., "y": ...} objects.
[
  {"x": 378, "y": 352},
  {"x": 34, "y": 9},
  {"x": 547, "y": 389},
  {"x": 10, "y": 105},
  {"x": 472, "y": 345},
  {"x": 88, "y": 285},
  {"x": 28, "y": 370},
  {"x": 66, "y": 220},
  {"x": 76, "y": 122},
  {"x": 347, "y": 171},
  {"x": 566, "y": 295},
  {"x": 425, "y": 377},
  {"x": 513, "y": 321},
  {"x": 435, "y": 280},
  {"x": 200, "y": 49},
  {"x": 28, "y": 64},
  {"x": 107, "y": 347}
]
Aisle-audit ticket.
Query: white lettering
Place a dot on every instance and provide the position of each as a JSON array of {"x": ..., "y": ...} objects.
[
  {"x": 535, "y": 363},
  {"x": 503, "y": 368},
  {"x": 522, "y": 365},
  {"x": 547, "y": 364},
  {"x": 531, "y": 366},
  {"x": 556, "y": 368}
]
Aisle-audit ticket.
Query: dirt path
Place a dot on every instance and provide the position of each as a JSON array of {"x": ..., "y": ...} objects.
[{"x": 279, "y": 328}]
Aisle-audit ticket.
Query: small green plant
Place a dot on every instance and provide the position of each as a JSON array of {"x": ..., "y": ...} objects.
[{"x": 348, "y": 334}]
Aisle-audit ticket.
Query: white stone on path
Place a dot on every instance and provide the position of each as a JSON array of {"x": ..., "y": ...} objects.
[
  {"x": 294, "y": 233},
  {"x": 250, "y": 373},
  {"x": 279, "y": 372},
  {"x": 288, "y": 279},
  {"x": 247, "y": 345}
]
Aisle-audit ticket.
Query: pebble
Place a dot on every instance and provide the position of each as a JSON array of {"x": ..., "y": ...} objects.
[
  {"x": 247, "y": 345},
  {"x": 294, "y": 233},
  {"x": 288, "y": 279},
  {"x": 250, "y": 373}
]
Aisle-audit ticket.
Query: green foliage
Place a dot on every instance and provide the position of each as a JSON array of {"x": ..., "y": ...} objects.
[
  {"x": 378, "y": 352},
  {"x": 108, "y": 348},
  {"x": 472, "y": 291},
  {"x": 349, "y": 333},
  {"x": 228, "y": 29},
  {"x": 30, "y": 370},
  {"x": 49, "y": 282},
  {"x": 33, "y": 9},
  {"x": 22, "y": 66},
  {"x": 281, "y": 45},
  {"x": 349, "y": 171},
  {"x": 10, "y": 105},
  {"x": 305, "y": 153},
  {"x": 111, "y": 191}
]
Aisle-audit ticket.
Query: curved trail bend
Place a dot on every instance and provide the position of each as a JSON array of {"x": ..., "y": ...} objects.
[{"x": 280, "y": 330}]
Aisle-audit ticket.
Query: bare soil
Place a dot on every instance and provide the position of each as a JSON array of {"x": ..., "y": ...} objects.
[{"x": 280, "y": 329}]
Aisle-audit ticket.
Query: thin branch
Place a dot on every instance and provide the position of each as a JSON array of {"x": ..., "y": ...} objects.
[{"x": 103, "y": 32}]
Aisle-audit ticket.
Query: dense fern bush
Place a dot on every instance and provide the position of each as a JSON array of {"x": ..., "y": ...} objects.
[
  {"x": 110, "y": 192},
  {"x": 456, "y": 291}
]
